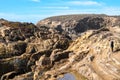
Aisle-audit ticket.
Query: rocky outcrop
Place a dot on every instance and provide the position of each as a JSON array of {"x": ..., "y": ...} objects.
[
  {"x": 99, "y": 62},
  {"x": 79, "y": 45},
  {"x": 74, "y": 25},
  {"x": 22, "y": 44}
]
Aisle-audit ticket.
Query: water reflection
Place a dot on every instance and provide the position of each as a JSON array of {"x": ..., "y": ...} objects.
[{"x": 68, "y": 76}]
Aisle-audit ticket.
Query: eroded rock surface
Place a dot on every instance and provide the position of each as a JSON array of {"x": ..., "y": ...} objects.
[{"x": 74, "y": 44}]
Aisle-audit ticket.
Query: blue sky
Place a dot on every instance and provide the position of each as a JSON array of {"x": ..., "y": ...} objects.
[{"x": 35, "y": 10}]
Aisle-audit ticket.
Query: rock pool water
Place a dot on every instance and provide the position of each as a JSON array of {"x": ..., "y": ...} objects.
[{"x": 68, "y": 76}]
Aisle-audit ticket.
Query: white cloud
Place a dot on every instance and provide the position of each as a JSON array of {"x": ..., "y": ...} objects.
[
  {"x": 35, "y": 0},
  {"x": 84, "y": 3},
  {"x": 22, "y": 18},
  {"x": 55, "y": 7},
  {"x": 54, "y": 12},
  {"x": 111, "y": 10}
]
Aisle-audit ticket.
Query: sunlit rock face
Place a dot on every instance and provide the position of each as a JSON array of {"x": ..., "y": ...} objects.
[
  {"x": 74, "y": 25},
  {"x": 70, "y": 47}
]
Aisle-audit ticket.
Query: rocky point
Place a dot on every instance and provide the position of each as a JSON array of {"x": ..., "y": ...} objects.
[{"x": 79, "y": 45}]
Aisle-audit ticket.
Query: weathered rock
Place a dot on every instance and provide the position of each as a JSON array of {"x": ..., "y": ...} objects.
[
  {"x": 13, "y": 49},
  {"x": 74, "y": 25},
  {"x": 26, "y": 76},
  {"x": 59, "y": 55},
  {"x": 17, "y": 64},
  {"x": 76, "y": 44},
  {"x": 9, "y": 75}
]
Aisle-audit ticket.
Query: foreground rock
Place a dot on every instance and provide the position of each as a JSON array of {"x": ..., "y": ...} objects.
[
  {"x": 76, "y": 44},
  {"x": 22, "y": 44}
]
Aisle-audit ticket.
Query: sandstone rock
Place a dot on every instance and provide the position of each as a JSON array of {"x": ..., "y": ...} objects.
[
  {"x": 57, "y": 56},
  {"x": 73, "y": 25},
  {"x": 43, "y": 61},
  {"x": 13, "y": 49},
  {"x": 76, "y": 44},
  {"x": 17, "y": 64},
  {"x": 9, "y": 75},
  {"x": 26, "y": 76}
]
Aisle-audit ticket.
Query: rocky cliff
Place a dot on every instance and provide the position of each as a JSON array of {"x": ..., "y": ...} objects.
[{"x": 86, "y": 46}]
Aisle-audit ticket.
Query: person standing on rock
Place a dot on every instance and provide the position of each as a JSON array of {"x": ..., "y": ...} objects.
[{"x": 112, "y": 45}]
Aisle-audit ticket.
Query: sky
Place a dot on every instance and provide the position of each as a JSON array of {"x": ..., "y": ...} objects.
[{"x": 35, "y": 10}]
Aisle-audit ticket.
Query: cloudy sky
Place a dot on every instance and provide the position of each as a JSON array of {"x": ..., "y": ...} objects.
[{"x": 35, "y": 10}]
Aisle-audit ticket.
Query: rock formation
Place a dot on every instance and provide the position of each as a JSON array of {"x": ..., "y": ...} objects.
[{"x": 75, "y": 44}]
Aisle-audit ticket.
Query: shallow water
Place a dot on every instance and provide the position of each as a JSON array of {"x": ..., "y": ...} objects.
[{"x": 68, "y": 76}]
